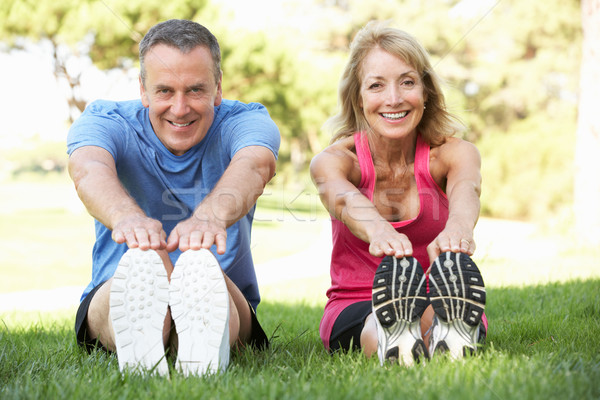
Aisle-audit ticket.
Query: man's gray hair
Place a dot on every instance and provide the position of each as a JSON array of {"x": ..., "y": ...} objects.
[{"x": 184, "y": 35}]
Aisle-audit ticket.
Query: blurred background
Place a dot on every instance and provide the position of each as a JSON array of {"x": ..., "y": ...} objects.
[{"x": 512, "y": 71}]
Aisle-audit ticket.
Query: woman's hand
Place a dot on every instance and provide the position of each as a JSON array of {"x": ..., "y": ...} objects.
[
  {"x": 388, "y": 242},
  {"x": 457, "y": 238}
]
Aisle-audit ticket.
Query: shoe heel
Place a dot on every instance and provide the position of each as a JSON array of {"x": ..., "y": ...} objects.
[
  {"x": 399, "y": 298},
  {"x": 139, "y": 296},
  {"x": 458, "y": 296},
  {"x": 200, "y": 308}
]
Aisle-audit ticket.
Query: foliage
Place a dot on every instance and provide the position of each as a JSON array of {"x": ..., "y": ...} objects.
[
  {"x": 105, "y": 31},
  {"x": 36, "y": 156},
  {"x": 528, "y": 171},
  {"x": 542, "y": 344},
  {"x": 509, "y": 64},
  {"x": 296, "y": 91}
]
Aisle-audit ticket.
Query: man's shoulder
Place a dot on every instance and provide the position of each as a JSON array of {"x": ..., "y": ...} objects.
[
  {"x": 127, "y": 109},
  {"x": 231, "y": 108},
  {"x": 109, "y": 120}
]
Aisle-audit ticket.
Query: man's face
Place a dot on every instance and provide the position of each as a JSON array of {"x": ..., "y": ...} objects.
[{"x": 180, "y": 92}]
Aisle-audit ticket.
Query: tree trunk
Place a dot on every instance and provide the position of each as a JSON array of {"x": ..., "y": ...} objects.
[
  {"x": 76, "y": 104},
  {"x": 587, "y": 151}
]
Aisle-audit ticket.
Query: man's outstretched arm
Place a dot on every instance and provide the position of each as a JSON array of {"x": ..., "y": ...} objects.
[{"x": 94, "y": 174}]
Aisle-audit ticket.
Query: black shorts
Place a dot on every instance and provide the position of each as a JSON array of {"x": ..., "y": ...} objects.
[
  {"x": 83, "y": 338},
  {"x": 348, "y": 326},
  {"x": 258, "y": 336}
]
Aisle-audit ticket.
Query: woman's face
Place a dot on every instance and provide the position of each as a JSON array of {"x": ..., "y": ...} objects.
[{"x": 391, "y": 95}]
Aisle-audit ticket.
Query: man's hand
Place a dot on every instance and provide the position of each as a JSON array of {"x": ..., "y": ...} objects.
[
  {"x": 198, "y": 232},
  {"x": 140, "y": 231}
]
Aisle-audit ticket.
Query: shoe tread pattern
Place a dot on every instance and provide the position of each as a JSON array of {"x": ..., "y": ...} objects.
[
  {"x": 200, "y": 309},
  {"x": 457, "y": 290},
  {"x": 399, "y": 298},
  {"x": 398, "y": 291},
  {"x": 139, "y": 299}
]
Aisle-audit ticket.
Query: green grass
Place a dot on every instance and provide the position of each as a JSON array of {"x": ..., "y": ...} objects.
[{"x": 542, "y": 344}]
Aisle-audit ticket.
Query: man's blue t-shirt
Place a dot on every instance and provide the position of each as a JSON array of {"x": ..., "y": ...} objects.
[{"x": 169, "y": 187}]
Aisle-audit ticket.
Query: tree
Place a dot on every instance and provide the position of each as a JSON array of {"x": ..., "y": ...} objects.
[
  {"x": 587, "y": 153},
  {"x": 107, "y": 32},
  {"x": 294, "y": 80}
]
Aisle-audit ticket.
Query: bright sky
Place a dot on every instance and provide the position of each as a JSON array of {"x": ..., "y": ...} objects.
[
  {"x": 34, "y": 104},
  {"x": 31, "y": 103}
]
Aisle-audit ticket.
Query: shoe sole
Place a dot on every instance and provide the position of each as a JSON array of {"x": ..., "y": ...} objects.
[
  {"x": 457, "y": 294},
  {"x": 399, "y": 300},
  {"x": 200, "y": 308},
  {"x": 139, "y": 300}
]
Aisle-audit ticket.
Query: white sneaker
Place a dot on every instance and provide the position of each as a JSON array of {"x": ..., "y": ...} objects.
[
  {"x": 399, "y": 300},
  {"x": 139, "y": 299},
  {"x": 200, "y": 308},
  {"x": 457, "y": 294}
]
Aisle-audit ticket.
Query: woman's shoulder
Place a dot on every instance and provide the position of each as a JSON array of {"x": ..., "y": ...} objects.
[
  {"x": 341, "y": 148},
  {"x": 454, "y": 152},
  {"x": 340, "y": 155},
  {"x": 453, "y": 147}
]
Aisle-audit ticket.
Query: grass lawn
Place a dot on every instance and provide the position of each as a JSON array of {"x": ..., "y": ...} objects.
[{"x": 543, "y": 342}]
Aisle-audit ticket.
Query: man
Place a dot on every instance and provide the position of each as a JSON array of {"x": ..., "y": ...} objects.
[{"x": 167, "y": 178}]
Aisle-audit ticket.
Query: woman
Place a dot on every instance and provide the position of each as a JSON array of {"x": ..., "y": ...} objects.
[{"x": 404, "y": 195}]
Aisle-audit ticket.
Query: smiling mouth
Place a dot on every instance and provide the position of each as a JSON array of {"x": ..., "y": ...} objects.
[
  {"x": 398, "y": 115},
  {"x": 180, "y": 125}
]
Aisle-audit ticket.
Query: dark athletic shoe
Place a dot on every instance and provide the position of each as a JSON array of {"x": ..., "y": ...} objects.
[
  {"x": 139, "y": 299},
  {"x": 399, "y": 299},
  {"x": 457, "y": 294}
]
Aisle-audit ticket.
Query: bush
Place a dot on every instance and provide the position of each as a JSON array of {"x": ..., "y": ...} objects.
[
  {"x": 528, "y": 172},
  {"x": 37, "y": 157}
]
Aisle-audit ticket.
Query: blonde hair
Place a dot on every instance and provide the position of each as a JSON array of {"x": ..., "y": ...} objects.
[{"x": 436, "y": 124}]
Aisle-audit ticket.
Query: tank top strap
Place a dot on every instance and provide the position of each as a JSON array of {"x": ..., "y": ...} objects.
[
  {"x": 428, "y": 188},
  {"x": 421, "y": 159},
  {"x": 365, "y": 162}
]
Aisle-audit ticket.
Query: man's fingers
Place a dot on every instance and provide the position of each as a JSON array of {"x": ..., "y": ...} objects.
[
  {"x": 140, "y": 231},
  {"x": 131, "y": 239},
  {"x": 156, "y": 240},
  {"x": 221, "y": 242},
  {"x": 142, "y": 238},
  {"x": 208, "y": 239},
  {"x": 173, "y": 241},
  {"x": 196, "y": 240},
  {"x": 118, "y": 237}
]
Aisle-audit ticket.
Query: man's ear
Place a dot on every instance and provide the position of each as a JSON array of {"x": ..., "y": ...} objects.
[
  {"x": 219, "y": 94},
  {"x": 143, "y": 94}
]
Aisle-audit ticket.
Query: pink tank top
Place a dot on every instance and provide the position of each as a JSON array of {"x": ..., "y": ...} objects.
[{"x": 352, "y": 266}]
